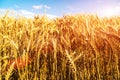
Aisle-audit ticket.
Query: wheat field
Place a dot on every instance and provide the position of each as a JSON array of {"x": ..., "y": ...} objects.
[{"x": 73, "y": 47}]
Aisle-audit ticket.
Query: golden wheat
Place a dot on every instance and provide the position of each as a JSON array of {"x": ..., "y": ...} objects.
[{"x": 73, "y": 47}]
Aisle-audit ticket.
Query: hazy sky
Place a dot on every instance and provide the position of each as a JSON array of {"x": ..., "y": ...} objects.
[{"x": 61, "y": 7}]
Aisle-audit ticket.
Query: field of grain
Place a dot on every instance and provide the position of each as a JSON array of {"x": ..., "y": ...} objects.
[{"x": 73, "y": 47}]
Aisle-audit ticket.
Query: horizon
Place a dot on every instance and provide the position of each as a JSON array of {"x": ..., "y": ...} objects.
[{"x": 51, "y": 8}]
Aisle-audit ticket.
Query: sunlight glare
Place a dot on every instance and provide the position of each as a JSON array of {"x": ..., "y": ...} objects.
[{"x": 109, "y": 12}]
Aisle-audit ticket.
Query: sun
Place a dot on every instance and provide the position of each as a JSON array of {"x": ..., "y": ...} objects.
[{"x": 109, "y": 12}]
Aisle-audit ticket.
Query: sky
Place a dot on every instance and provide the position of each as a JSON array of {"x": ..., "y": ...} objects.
[{"x": 56, "y": 8}]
